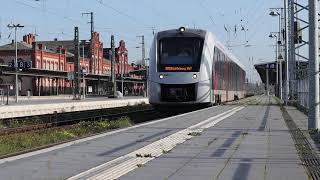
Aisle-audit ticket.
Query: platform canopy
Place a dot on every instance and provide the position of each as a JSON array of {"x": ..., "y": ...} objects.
[{"x": 272, "y": 69}]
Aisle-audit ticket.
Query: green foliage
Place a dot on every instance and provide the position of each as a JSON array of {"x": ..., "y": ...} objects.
[
  {"x": 14, "y": 123},
  {"x": 25, "y": 141}
]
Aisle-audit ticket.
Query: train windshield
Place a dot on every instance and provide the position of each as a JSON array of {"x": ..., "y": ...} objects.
[{"x": 180, "y": 54}]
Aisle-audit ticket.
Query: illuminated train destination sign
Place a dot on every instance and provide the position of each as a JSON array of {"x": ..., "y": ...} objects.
[{"x": 178, "y": 68}]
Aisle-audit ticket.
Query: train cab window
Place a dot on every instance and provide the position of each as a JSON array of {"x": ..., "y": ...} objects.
[{"x": 180, "y": 54}]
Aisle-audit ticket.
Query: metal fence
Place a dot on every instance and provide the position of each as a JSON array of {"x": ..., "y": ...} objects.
[{"x": 4, "y": 94}]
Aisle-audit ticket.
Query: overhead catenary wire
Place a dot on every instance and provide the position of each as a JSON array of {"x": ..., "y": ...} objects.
[
  {"x": 21, "y": 2},
  {"x": 208, "y": 13},
  {"x": 132, "y": 18}
]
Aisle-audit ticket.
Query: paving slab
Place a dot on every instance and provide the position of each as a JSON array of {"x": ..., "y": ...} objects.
[{"x": 252, "y": 144}]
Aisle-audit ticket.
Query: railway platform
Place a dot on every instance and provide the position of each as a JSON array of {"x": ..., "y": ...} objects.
[
  {"x": 61, "y": 104},
  {"x": 253, "y": 138}
]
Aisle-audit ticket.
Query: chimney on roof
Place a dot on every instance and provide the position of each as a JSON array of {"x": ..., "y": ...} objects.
[
  {"x": 40, "y": 46},
  {"x": 34, "y": 45},
  {"x": 29, "y": 38},
  {"x": 12, "y": 41},
  {"x": 63, "y": 51}
]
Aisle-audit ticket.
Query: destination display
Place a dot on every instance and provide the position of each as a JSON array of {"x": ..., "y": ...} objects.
[{"x": 177, "y": 68}]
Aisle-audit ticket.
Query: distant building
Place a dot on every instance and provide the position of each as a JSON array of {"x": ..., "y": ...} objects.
[{"x": 50, "y": 58}]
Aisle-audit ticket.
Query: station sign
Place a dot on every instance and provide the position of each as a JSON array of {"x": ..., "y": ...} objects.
[
  {"x": 271, "y": 66},
  {"x": 89, "y": 89},
  {"x": 21, "y": 64},
  {"x": 70, "y": 76}
]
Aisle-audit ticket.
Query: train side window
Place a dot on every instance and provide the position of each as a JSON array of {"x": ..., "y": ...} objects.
[
  {"x": 233, "y": 77},
  {"x": 214, "y": 61},
  {"x": 221, "y": 71}
]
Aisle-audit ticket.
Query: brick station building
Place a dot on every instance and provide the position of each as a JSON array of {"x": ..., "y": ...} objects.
[{"x": 50, "y": 59}]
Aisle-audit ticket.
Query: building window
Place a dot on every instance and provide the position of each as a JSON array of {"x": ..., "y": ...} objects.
[{"x": 1, "y": 61}]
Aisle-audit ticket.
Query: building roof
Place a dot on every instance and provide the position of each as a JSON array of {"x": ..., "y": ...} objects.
[
  {"x": 54, "y": 45},
  {"x": 25, "y": 46},
  {"x": 20, "y": 45}
]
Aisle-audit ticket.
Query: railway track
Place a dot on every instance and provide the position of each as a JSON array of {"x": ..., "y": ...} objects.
[
  {"x": 137, "y": 114},
  {"x": 66, "y": 119}
]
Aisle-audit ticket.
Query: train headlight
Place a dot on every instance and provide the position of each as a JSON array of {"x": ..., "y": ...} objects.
[
  {"x": 182, "y": 29},
  {"x": 161, "y": 76},
  {"x": 194, "y": 76}
]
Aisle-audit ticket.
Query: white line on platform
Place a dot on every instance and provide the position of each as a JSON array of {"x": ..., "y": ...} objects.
[
  {"x": 119, "y": 167},
  {"x": 34, "y": 153}
]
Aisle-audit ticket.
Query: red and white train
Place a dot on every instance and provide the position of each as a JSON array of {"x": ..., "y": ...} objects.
[{"x": 190, "y": 66}]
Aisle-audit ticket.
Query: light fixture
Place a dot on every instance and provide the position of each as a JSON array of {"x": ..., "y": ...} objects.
[
  {"x": 271, "y": 36},
  {"x": 194, "y": 76},
  {"x": 272, "y": 13},
  {"x": 161, "y": 76},
  {"x": 182, "y": 29}
]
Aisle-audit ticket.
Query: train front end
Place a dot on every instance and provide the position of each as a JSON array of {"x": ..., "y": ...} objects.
[{"x": 178, "y": 74}]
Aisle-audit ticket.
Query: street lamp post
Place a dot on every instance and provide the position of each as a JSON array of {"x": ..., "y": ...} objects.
[
  {"x": 274, "y": 12},
  {"x": 267, "y": 80},
  {"x": 286, "y": 94},
  {"x": 144, "y": 62},
  {"x": 84, "y": 70},
  {"x": 16, "y": 26},
  {"x": 280, "y": 59},
  {"x": 122, "y": 69},
  {"x": 276, "y": 35},
  {"x": 84, "y": 83}
]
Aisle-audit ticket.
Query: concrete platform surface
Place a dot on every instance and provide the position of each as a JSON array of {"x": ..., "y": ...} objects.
[
  {"x": 244, "y": 140},
  {"x": 49, "y": 105}
]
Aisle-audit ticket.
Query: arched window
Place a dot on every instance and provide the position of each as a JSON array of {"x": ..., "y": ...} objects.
[
  {"x": 20, "y": 83},
  {"x": 43, "y": 64}
]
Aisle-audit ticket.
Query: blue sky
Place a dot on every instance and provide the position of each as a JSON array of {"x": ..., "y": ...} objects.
[{"x": 127, "y": 19}]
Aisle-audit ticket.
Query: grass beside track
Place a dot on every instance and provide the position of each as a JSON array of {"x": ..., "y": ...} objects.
[
  {"x": 60, "y": 118},
  {"x": 10, "y": 144}
]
